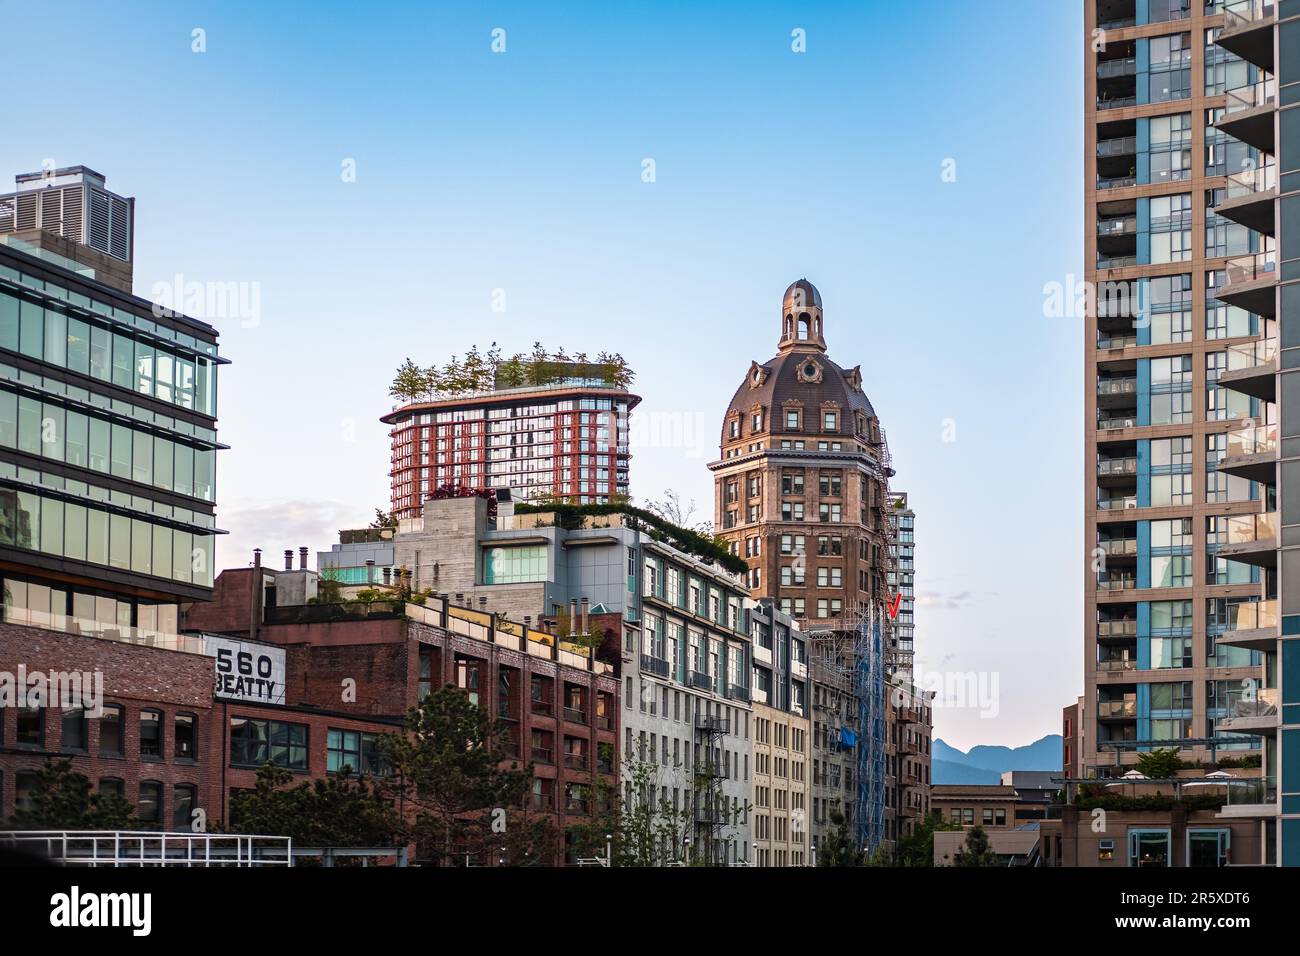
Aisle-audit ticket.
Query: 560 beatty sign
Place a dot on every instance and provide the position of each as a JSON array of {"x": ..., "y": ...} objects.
[{"x": 251, "y": 672}]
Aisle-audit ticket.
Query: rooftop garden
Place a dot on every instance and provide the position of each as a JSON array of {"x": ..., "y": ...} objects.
[
  {"x": 486, "y": 371},
  {"x": 707, "y": 549}
]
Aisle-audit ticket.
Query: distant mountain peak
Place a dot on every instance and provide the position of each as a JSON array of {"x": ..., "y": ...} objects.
[{"x": 985, "y": 763}]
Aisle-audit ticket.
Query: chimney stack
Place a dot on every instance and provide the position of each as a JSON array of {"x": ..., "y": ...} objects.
[
  {"x": 370, "y": 571},
  {"x": 586, "y": 609},
  {"x": 255, "y": 596},
  {"x": 302, "y": 558},
  {"x": 573, "y": 616},
  {"x": 288, "y": 560},
  {"x": 388, "y": 573}
]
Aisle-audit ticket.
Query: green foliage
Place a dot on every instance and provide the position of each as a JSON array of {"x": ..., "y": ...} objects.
[
  {"x": 384, "y": 519},
  {"x": 449, "y": 774},
  {"x": 976, "y": 851},
  {"x": 61, "y": 800},
  {"x": 337, "y": 811},
  {"x": 917, "y": 847},
  {"x": 840, "y": 846},
  {"x": 480, "y": 372},
  {"x": 1092, "y": 796},
  {"x": 707, "y": 549},
  {"x": 1246, "y": 761},
  {"x": 1160, "y": 764}
]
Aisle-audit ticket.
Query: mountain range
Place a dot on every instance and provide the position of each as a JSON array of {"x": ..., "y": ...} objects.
[{"x": 985, "y": 764}]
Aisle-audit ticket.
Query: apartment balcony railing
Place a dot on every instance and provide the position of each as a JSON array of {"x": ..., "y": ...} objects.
[
  {"x": 1115, "y": 102},
  {"x": 654, "y": 665},
  {"x": 1261, "y": 265},
  {"x": 1112, "y": 422},
  {"x": 1117, "y": 503},
  {"x": 737, "y": 692},
  {"x": 542, "y": 754},
  {"x": 1116, "y": 709},
  {"x": 1249, "y": 529},
  {"x": 1116, "y": 386},
  {"x": 575, "y": 715},
  {"x": 1248, "y": 97},
  {"x": 1115, "y": 182},
  {"x": 1115, "y": 262},
  {"x": 1118, "y": 547},
  {"x": 541, "y": 707},
  {"x": 1111, "y": 68},
  {"x": 1116, "y": 582},
  {"x": 1121, "y": 226},
  {"x": 1108, "y": 341},
  {"x": 799, "y": 669},
  {"x": 697, "y": 679},
  {"x": 541, "y": 801},
  {"x": 1261, "y": 440},
  {"x": 1253, "y": 615},
  {"x": 1117, "y": 628},
  {"x": 1251, "y": 354},
  {"x": 1117, "y": 146},
  {"x": 604, "y": 723},
  {"x": 1265, "y": 704},
  {"x": 712, "y": 724},
  {"x": 575, "y": 761},
  {"x": 1119, "y": 23},
  {"x": 1116, "y": 466},
  {"x": 1252, "y": 791},
  {"x": 762, "y": 655},
  {"x": 1242, "y": 13},
  {"x": 1262, "y": 179},
  {"x": 1112, "y": 664}
]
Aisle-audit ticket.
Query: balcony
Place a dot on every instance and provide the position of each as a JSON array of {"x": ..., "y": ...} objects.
[
  {"x": 575, "y": 715},
  {"x": 1249, "y": 198},
  {"x": 706, "y": 723},
  {"x": 799, "y": 669},
  {"x": 1117, "y": 710},
  {"x": 1251, "y": 539},
  {"x": 1117, "y": 468},
  {"x": 762, "y": 655},
  {"x": 573, "y": 761},
  {"x": 1117, "y": 664},
  {"x": 1116, "y": 261},
  {"x": 1252, "y": 369},
  {"x": 1116, "y": 581},
  {"x": 542, "y": 754},
  {"x": 1251, "y": 283},
  {"x": 1116, "y": 630},
  {"x": 1112, "y": 340},
  {"x": 1250, "y": 797},
  {"x": 699, "y": 680},
  {"x": 654, "y": 665},
  {"x": 1252, "y": 454},
  {"x": 1248, "y": 115},
  {"x": 1116, "y": 502},
  {"x": 1109, "y": 69},
  {"x": 738, "y": 692},
  {"x": 1116, "y": 391},
  {"x": 1253, "y": 625},
  {"x": 1119, "y": 226},
  {"x": 1259, "y": 717},
  {"x": 1248, "y": 30},
  {"x": 1120, "y": 548},
  {"x": 1121, "y": 418},
  {"x": 1117, "y": 146}
]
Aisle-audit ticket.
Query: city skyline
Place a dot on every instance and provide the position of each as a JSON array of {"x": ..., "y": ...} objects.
[{"x": 682, "y": 275}]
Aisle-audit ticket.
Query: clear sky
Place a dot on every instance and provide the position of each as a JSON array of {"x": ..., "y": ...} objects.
[{"x": 522, "y": 171}]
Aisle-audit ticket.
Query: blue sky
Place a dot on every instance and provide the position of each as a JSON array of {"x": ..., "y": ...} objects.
[{"x": 522, "y": 172}]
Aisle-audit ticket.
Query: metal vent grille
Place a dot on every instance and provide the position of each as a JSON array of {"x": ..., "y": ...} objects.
[
  {"x": 72, "y": 212},
  {"x": 8, "y": 212},
  {"x": 100, "y": 216},
  {"x": 119, "y": 241},
  {"x": 27, "y": 211}
]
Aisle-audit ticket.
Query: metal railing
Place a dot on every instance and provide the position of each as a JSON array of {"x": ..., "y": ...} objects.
[
  {"x": 1120, "y": 226},
  {"x": 1118, "y": 67},
  {"x": 1110, "y": 422},
  {"x": 1248, "y": 529},
  {"x": 1118, "y": 546},
  {"x": 1251, "y": 354},
  {"x": 1117, "y": 628},
  {"x": 1117, "y": 146},
  {"x": 1105, "y": 341},
  {"x": 655, "y": 665},
  {"x": 1260, "y": 440},
  {"x": 1115, "y": 262},
  {"x": 1261, "y": 179},
  {"x": 1114, "y": 103},
  {"x": 1117, "y": 503},
  {"x": 1261, "y": 265},
  {"x": 1117, "y": 664},
  {"x": 1241, "y": 13},
  {"x": 131, "y": 848},
  {"x": 1117, "y": 582},
  {"x": 1249, "y": 97},
  {"x": 1116, "y": 182},
  {"x": 1122, "y": 709},
  {"x": 1117, "y": 466},
  {"x": 1253, "y": 615}
]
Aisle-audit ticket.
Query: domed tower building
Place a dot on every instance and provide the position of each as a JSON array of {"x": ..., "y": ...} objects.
[{"x": 802, "y": 493}]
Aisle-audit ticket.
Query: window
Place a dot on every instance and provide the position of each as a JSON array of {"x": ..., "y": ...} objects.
[
  {"x": 186, "y": 742},
  {"x": 791, "y": 420},
  {"x": 353, "y": 749},
  {"x": 256, "y": 742},
  {"x": 1148, "y": 848},
  {"x": 151, "y": 734},
  {"x": 184, "y": 797},
  {"x": 829, "y": 421},
  {"x": 149, "y": 809},
  {"x": 514, "y": 565},
  {"x": 31, "y": 727},
  {"x": 75, "y": 731},
  {"x": 110, "y": 731}
]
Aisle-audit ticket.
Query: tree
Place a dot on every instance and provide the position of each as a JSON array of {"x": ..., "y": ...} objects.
[
  {"x": 917, "y": 847},
  {"x": 647, "y": 833},
  {"x": 976, "y": 851},
  {"x": 384, "y": 519},
  {"x": 673, "y": 510},
  {"x": 453, "y": 780},
  {"x": 61, "y": 800},
  {"x": 840, "y": 846},
  {"x": 1160, "y": 764},
  {"x": 338, "y": 811},
  {"x": 410, "y": 382}
]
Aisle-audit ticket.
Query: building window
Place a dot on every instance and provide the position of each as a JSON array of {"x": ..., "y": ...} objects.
[
  {"x": 110, "y": 731},
  {"x": 75, "y": 731},
  {"x": 514, "y": 565},
  {"x": 257, "y": 742},
  {"x": 149, "y": 809},
  {"x": 184, "y": 738},
  {"x": 151, "y": 734},
  {"x": 829, "y": 421},
  {"x": 353, "y": 749},
  {"x": 31, "y": 727},
  {"x": 184, "y": 797}
]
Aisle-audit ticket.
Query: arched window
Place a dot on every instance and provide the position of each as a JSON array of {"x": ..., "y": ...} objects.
[{"x": 805, "y": 325}]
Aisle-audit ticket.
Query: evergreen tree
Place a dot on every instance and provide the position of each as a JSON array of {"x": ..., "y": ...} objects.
[
  {"x": 61, "y": 800},
  {"x": 976, "y": 851}
]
